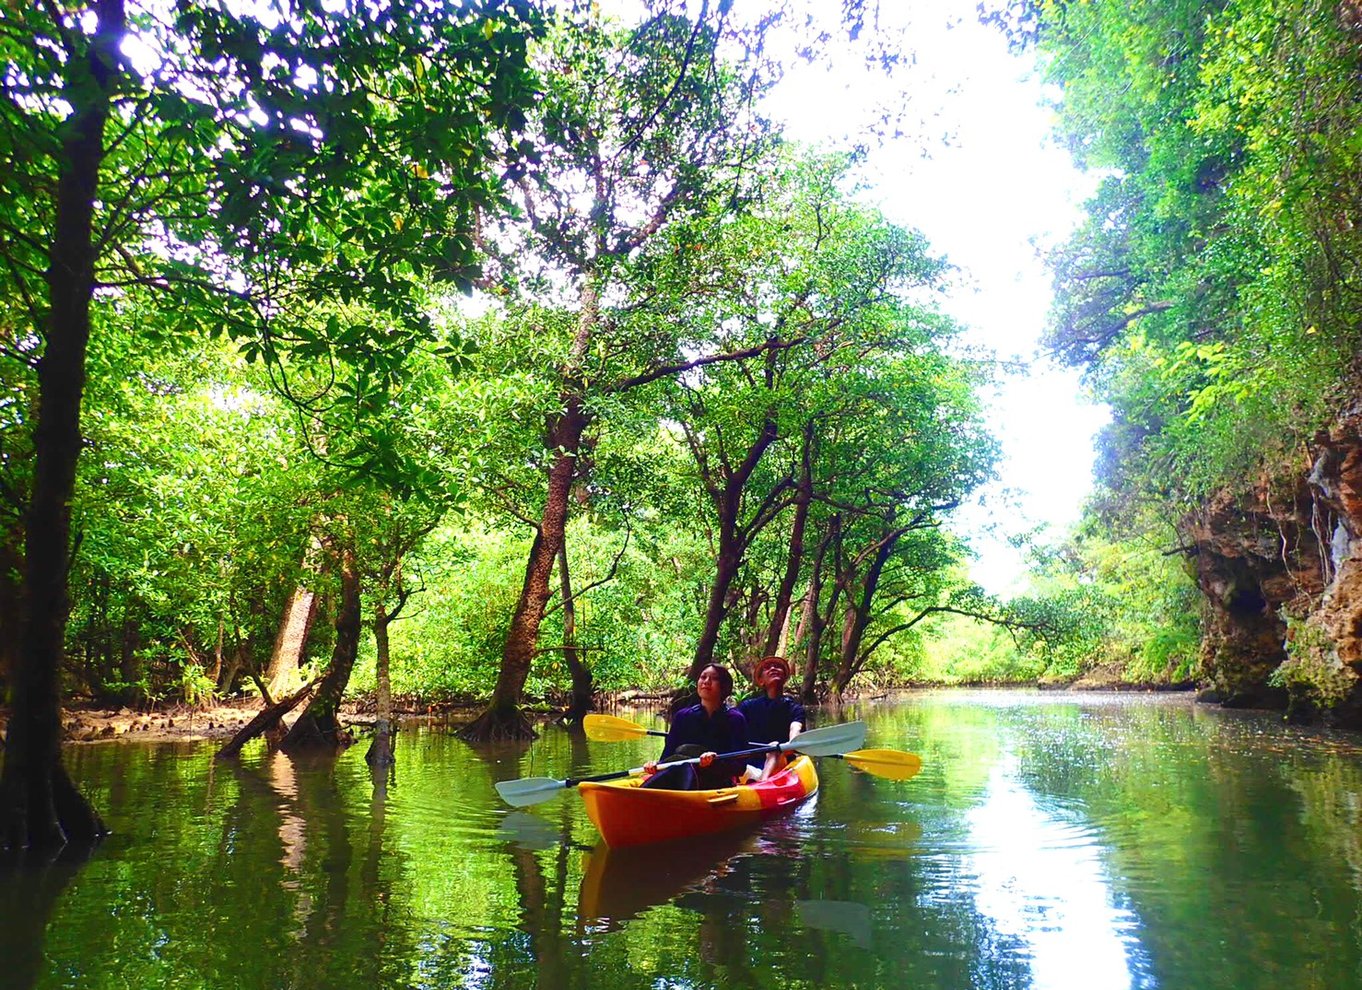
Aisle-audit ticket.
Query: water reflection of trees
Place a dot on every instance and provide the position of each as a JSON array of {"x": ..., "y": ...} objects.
[
  {"x": 277, "y": 874},
  {"x": 269, "y": 875},
  {"x": 30, "y": 886},
  {"x": 1204, "y": 820}
]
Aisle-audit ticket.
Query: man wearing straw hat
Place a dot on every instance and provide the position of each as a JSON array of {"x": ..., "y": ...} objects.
[{"x": 772, "y": 716}]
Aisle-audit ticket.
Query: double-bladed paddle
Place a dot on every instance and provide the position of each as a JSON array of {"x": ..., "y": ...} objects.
[
  {"x": 892, "y": 764},
  {"x": 832, "y": 740}
]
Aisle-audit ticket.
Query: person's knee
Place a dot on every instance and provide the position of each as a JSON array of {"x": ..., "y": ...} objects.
[{"x": 680, "y": 778}]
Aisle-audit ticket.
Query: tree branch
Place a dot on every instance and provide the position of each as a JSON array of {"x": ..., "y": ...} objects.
[
  {"x": 666, "y": 370},
  {"x": 609, "y": 576}
]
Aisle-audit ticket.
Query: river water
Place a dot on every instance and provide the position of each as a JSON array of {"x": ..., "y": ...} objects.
[{"x": 1050, "y": 841}]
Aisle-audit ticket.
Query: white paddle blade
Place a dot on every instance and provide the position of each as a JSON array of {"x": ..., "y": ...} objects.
[
  {"x": 832, "y": 740},
  {"x": 526, "y": 791},
  {"x": 847, "y": 917}
]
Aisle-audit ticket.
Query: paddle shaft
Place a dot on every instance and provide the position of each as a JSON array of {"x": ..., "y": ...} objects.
[
  {"x": 618, "y": 774},
  {"x": 850, "y": 757},
  {"x": 654, "y": 732}
]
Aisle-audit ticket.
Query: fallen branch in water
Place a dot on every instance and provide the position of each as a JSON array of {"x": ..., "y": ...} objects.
[{"x": 265, "y": 720}]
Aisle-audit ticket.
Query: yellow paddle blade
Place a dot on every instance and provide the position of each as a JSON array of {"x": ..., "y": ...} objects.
[
  {"x": 891, "y": 764},
  {"x": 608, "y": 728}
]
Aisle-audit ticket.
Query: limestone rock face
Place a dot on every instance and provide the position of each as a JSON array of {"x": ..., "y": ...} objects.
[
  {"x": 1331, "y": 640},
  {"x": 1248, "y": 557},
  {"x": 1281, "y": 571}
]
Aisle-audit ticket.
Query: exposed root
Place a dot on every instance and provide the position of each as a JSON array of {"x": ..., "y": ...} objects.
[
  {"x": 498, "y": 725},
  {"x": 380, "y": 752},
  {"x": 316, "y": 734}
]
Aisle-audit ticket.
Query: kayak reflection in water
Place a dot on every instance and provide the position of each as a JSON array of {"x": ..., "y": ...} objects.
[
  {"x": 705, "y": 730},
  {"x": 772, "y": 716}
]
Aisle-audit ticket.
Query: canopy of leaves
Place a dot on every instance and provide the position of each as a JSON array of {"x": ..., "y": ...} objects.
[{"x": 1212, "y": 292}]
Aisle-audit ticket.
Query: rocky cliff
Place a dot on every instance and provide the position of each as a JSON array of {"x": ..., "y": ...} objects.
[{"x": 1281, "y": 570}]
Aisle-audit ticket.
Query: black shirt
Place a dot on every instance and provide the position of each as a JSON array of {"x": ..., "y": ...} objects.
[{"x": 768, "y": 719}]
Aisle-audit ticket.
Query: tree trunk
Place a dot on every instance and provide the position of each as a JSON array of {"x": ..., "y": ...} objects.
[
  {"x": 238, "y": 660},
  {"x": 290, "y": 642},
  {"x": 583, "y": 687},
  {"x": 783, "y": 639},
  {"x": 39, "y": 806},
  {"x": 129, "y": 664},
  {"x": 795, "y": 557},
  {"x": 815, "y": 619},
  {"x": 264, "y": 722},
  {"x": 734, "y": 540},
  {"x": 503, "y": 718},
  {"x": 858, "y": 616},
  {"x": 11, "y": 603},
  {"x": 381, "y": 749},
  {"x": 716, "y": 610},
  {"x": 216, "y": 672},
  {"x": 319, "y": 726}
]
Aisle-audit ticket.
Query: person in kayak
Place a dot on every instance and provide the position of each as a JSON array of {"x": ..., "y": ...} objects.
[
  {"x": 772, "y": 715},
  {"x": 705, "y": 730}
]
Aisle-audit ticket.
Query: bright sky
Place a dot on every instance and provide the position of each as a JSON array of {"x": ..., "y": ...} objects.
[{"x": 976, "y": 173}]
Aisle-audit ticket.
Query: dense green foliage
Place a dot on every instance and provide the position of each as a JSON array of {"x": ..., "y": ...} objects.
[
  {"x": 1211, "y": 293},
  {"x": 722, "y": 373}
]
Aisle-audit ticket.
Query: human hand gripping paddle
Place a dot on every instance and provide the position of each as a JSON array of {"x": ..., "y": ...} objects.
[
  {"x": 832, "y": 740},
  {"x": 891, "y": 764}
]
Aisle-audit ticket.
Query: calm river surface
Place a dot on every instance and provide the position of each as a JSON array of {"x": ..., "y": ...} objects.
[{"x": 1051, "y": 841}]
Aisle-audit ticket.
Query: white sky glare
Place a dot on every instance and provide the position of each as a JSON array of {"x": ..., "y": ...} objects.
[{"x": 975, "y": 171}]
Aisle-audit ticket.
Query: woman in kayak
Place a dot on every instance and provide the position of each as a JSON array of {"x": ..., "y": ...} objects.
[
  {"x": 705, "y": 730},
  {"x": 772, "y": 716}
]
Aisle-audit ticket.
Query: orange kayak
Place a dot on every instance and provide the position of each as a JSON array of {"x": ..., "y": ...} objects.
[{"x": 629, "y": 815}]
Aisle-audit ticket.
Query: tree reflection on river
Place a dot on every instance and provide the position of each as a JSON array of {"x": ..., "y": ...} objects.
[{"x": 1051, "y": 841}]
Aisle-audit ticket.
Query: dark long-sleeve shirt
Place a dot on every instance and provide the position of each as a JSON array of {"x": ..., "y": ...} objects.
[
  {"x": 768, "y": 719},
  {"x": 723, "y": 732}
]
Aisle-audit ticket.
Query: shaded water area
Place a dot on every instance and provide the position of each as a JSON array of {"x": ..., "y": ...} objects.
[{"x": 1093, "y": 841}]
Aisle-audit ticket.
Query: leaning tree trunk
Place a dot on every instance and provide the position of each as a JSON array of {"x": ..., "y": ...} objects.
[
  {"x": 290, "y": 642},
  {"x": 264, "y": 723},
  {"x": 39, "y": 806},
  {"x": 583, "y": 687},
  {"x": 725, "y": 572},
  {"x": 503, "y": 718},
  {"x": 319, "y": 726}
]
